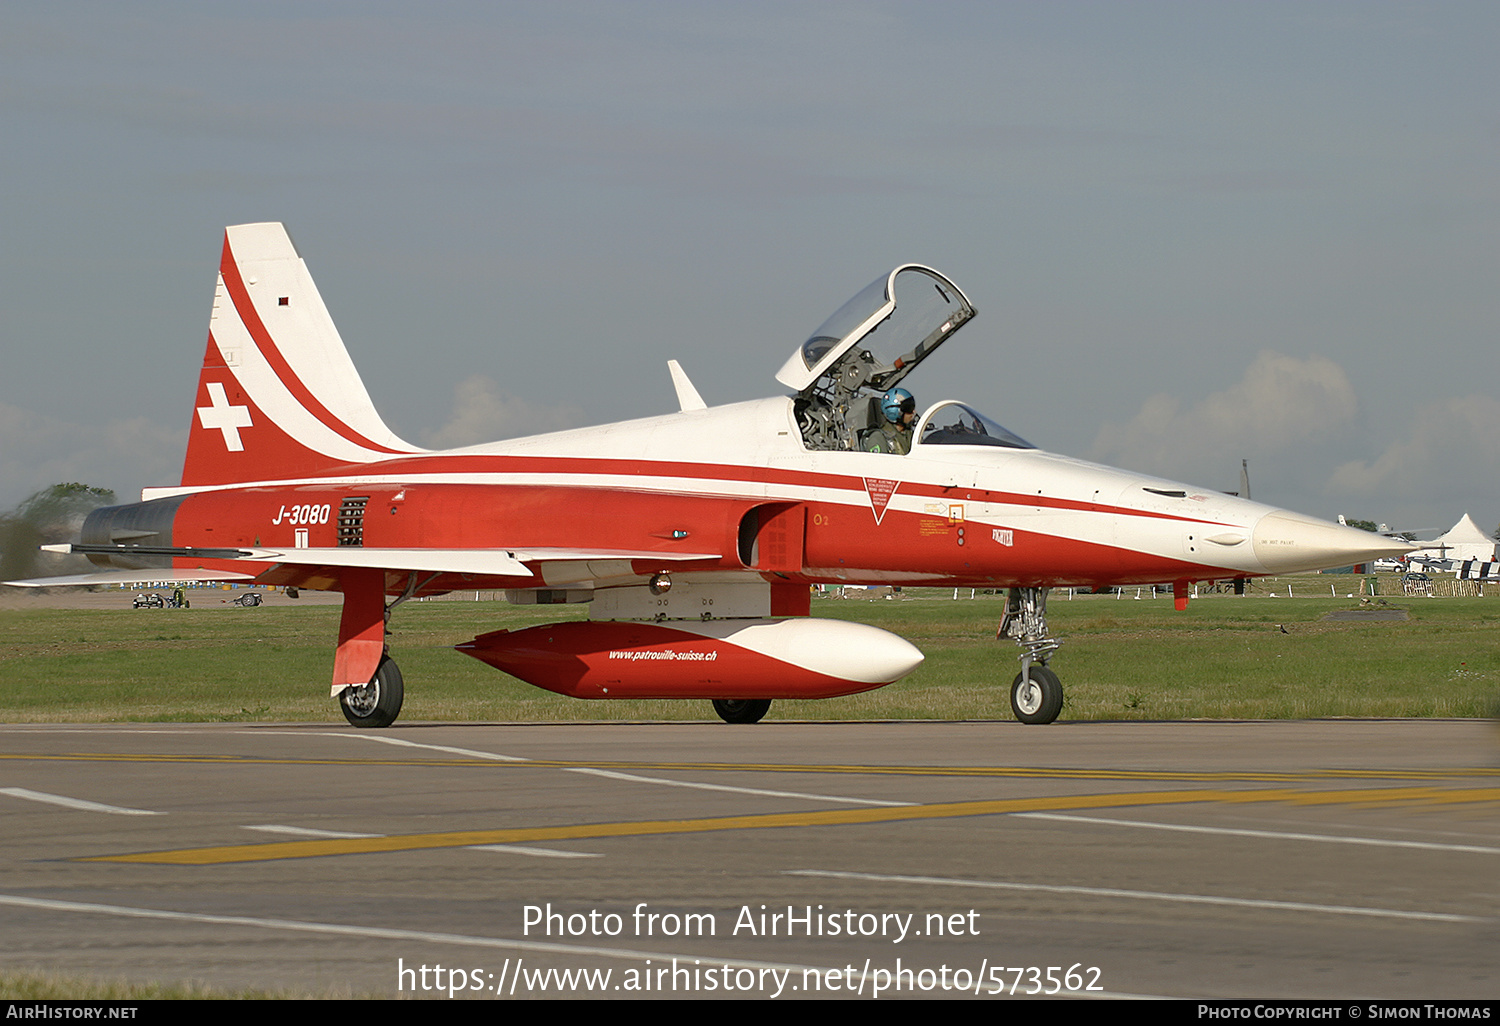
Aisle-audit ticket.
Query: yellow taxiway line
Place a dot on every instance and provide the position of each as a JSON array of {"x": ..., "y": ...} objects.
[{"x": 237, "y": 853}]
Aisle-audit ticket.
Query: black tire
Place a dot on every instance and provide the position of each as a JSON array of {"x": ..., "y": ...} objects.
[
  {"x": 1039, "y": 701},
  {"x": 741, "y": 710},
  {"x": 378, "y": 703}
]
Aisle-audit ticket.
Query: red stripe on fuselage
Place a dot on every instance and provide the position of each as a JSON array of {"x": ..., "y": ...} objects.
[{"x": 411, "y": 469}]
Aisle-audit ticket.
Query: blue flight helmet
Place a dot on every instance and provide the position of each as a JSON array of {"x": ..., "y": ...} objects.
[{"x": 896, "y": 402}]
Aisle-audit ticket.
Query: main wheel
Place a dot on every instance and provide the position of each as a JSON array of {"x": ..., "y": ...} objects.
[
  {"x": 378, "y": 703},
  {"x": 1038, "y": 699},
  {"x": 741, "y": 710}
]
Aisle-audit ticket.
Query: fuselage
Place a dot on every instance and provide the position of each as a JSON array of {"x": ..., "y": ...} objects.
[{"x": 736, "y": 486}]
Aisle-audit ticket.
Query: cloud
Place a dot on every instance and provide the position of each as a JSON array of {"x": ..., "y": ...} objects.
[
  {"x": 1282, "y": 402},
  {"x": 1451, "y": 445},
  {"x": 38, "y": 450},
  {"x": 1299, "y": 418},
  {"x": 481, "y": 413}
]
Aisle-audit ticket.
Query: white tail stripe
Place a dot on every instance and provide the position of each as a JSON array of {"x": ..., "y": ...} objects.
[
  {"x": 275, "y": 400},
  {"x": 283, "y": 297},
  {"x": 307, "y": 384}
]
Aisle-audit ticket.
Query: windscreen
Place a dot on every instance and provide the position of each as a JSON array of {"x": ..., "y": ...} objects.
[{"x": 958, "y": 424}]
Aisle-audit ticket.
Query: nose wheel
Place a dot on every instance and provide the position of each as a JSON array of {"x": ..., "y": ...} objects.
[{"x": 1036, "y": 695}]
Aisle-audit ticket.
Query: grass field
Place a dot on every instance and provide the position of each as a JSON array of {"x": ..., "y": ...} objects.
[
  {"x": 24, "y": 986},
  {"x": 1122, "y": 659}
]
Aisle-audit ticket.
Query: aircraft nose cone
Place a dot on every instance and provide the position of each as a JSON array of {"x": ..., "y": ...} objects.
[{"x": 1290, "y": 542}]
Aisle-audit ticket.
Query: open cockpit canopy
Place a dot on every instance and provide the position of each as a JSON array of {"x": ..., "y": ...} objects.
[
  {"x": 890, "y": 326},
  {"x": 867, "y": 347}
]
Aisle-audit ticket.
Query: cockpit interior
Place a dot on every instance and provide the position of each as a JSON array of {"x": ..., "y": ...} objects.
[{"x": 870, "y": 345}]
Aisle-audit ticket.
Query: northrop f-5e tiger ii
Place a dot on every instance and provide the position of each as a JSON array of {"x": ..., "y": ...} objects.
[{"x": 693, "y": 537}]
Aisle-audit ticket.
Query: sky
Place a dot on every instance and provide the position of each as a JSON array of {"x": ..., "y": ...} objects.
[{"x": 1195, "y": 232}]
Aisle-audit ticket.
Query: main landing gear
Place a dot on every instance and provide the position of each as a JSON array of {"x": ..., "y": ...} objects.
[
  {"x": 1036, "y": 695},
  {"x": 363, "y": 628},
  {"x": 378, "y": 703},
  {"x": 741, "y": 710}
]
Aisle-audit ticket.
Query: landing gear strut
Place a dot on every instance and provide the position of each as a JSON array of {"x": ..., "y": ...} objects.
[
  {"x": 363, "y": 627},
  {"x": 1036, "y": 695}
]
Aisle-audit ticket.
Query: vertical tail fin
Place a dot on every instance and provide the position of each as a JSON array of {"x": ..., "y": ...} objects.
[{"x": 278, "y": 396}]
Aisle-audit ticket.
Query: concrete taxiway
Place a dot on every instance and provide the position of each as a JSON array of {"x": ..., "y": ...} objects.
[{"x": 1352, "y": 859}]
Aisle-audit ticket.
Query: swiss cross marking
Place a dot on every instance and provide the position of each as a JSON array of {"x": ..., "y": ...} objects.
[{"x": 223, "y": 417}]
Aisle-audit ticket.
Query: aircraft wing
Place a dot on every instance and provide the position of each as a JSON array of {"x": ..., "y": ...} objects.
[{"x": 498, "y": 562}]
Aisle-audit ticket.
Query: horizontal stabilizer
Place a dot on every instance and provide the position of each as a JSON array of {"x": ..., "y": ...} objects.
[
  {"x": 131, "y": 577},
  {"x": 146, "y": 550},
  {"x": 458, "y": 561},
  {"x": 486, "y": 562}
]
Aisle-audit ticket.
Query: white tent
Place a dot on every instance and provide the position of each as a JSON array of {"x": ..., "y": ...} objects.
[{"x": 1464, "y": 541}]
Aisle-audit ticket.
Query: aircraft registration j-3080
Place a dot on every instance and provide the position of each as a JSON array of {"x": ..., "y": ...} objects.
[{"x": 693, "y": 537}]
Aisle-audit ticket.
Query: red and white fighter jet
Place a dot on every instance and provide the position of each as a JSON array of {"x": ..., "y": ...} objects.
[{"x": 693, "y": 537}]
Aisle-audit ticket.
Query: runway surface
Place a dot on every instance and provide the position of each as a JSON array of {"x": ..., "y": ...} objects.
[{"x": 1352, "y": 859}]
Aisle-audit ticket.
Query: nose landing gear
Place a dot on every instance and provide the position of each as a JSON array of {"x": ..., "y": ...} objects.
[{"x": 1036, "y": 695}]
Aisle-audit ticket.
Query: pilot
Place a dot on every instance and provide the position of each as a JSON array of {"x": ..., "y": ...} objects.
[{"x": 899, "y": 410}]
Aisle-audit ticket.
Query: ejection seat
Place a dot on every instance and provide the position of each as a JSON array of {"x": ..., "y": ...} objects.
[{"x": 864, "y": 419}]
